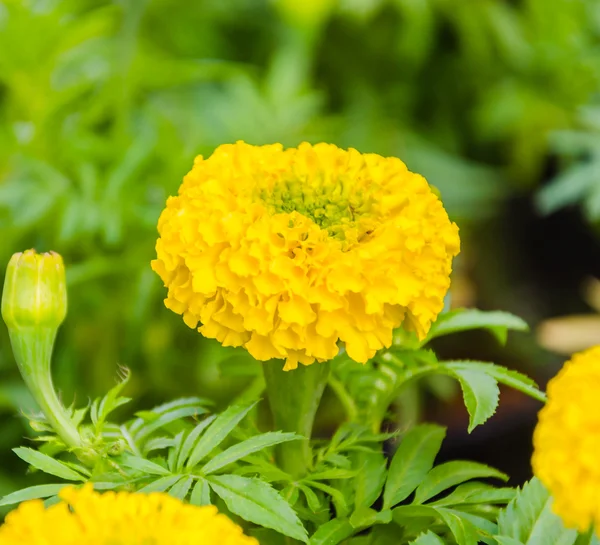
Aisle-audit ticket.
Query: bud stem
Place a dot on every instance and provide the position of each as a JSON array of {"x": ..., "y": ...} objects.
[{"x": 32, "y": 348}]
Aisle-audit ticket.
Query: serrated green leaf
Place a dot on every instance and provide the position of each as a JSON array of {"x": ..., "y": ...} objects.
[
  {"x": 217, "y": 432},
  {"x": 497, "y": 322},
  {"x": 476, "y": 492},
  {"x": 166, "y": 419},
  {"x": 173, "y": 452},
  {"x": 158, "y": 443},
  {"x": 364, "y": 517},
  {"x": 200, "y": 493},
  {"x": 146, "y": 417},
  {"x": 311, "y": 498},
  {"x": 480, "y": 393},
  {"x": 369, "y": 481},
  {"x": 450, "y": 474},
  {"x": 503, "y": 540},
  {"x": 333, "y": 532},
  {"x": 428, "y": 538},
  {"x": 412, "y": 462},
  {"x": 47, "y": 464},
  {"x": 505, "y": 376},
  {"x": 161, "y": 485},
  {"x": 32, "y": 493},
  {"x": 243, "y": 449},
  {"x": 191, "y": 440},
  {"x": 486, "y": 527},
  {"x": 529, "y": 519},
  {"x": 464, "y": 532},
  {"x": 111, "y": 400},
  {"x": 143, "y": 465},
  {"x": 181, "y": 488},
  {"x": 268, "y": 471},
  {"x": 332, "y": 474},
  {"x": 257, "y": 502},
  {"x": 339, "y": 501},
  {"x": 405, "y": 513},
  {"x": 266, "y": 536},
  {"x": 174, "y": 405}
]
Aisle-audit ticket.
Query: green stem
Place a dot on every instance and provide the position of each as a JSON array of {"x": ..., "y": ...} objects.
[
  {"x": 344, "y": 397},
  {"x": 32, "y": 348},
  {"x": 585, "y": 538},
  {"x": 294, "y": 397}
]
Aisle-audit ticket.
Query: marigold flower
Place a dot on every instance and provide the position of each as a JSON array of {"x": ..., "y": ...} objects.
[
  {"x": 567, "y": 441},
  {"x": 85, "y": 517},
  {"x": 288, "y": 251}
]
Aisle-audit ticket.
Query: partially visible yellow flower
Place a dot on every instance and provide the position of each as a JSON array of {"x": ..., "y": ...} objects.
[
  {"x": 85, "y": 517},
  {"x": 567, "y": 441},
  {"x": 287, "y": 252}
]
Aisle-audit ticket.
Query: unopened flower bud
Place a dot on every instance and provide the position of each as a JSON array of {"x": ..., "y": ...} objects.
[
  {"x": 34, "y": 304},
  {"x": 35, "y": 293}
]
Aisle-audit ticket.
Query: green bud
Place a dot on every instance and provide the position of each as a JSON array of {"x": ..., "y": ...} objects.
[
  {"x": 34, "y": 304},
  {"x": 35, "y": 293}
]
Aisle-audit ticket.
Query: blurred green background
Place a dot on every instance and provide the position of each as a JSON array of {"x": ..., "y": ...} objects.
[{"x": 103, "y": 106}]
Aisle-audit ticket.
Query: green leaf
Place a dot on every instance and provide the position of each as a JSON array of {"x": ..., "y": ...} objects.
[
  {"x": 257, "y": 502},
  {"x": 476, "y": 492},
  {"x": 167, "y": 418},
  {"x": 503, "y": 540},
  {"x": 217, "y": 432},
  {"x": 505, "y": 376},
  {"x": 462, "y": 525},
  {"x": 481, "y": 395},
  {"x": 497, "y": 322},
  {"x": 200, "y": 493},
  {"x": 240, "y": 450},
  {"x": 49, "y": 465},
  {"x": 428, "y": 538},
  {"x": 333, "y": 473},
  {"x": 370, "y": 478},
  {"x": 339, "y": 501},
  {"x": 266, "y": 536},
  {"x": 181, "y": 488},
  {"x": 529, "y": 519},
  {"x": 101, "y": 408},
  {"x": 568, "y": 187},
  {"x": 412, "y": 462},
  {"x": 464, "y": 532},
  {"x": 404, "y": 514},
  {"x": 190, "y": 441},
  {"x": 143, "y": 465},
  {"x": 449, "y": 474},
  {"x": 365, "y": 517},
  {"x": 158, "y": 443},
  {"x": 333, "y": 532},
  {"x": 32, "y": 493},
  {"x": 160, "y": 485},
  {"x": 174, "y": 451},
  {"x": 314, "y": 504}
]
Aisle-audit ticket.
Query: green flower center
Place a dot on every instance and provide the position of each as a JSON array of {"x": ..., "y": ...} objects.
[{"x": 334, "y": 206}]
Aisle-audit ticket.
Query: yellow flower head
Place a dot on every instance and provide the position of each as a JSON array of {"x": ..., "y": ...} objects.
[
  {"x": 567, "y": 441},
  {"x": 288, "y": 251},
  {"x": 85, "y": 517}
]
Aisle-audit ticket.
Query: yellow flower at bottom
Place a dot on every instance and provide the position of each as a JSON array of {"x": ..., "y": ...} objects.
[
  {"x": 566, "y": 441},
  {"x": 288, "y": 251},
  {"x": 85, "y": 517}
]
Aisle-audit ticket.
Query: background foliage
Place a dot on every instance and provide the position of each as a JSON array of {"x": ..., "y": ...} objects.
[{"x": 103, "y": 106}]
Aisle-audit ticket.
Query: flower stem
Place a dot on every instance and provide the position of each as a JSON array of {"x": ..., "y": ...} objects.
[
  {"x": 294, "y": 397},
  {"x": 32, "y": 348}
]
